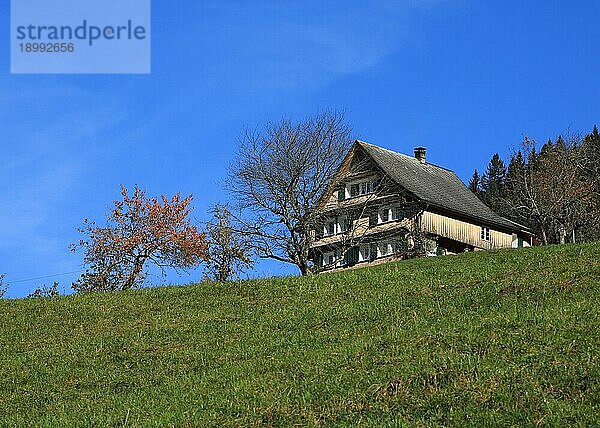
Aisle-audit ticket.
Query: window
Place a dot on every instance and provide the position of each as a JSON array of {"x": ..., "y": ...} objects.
[
  {"x": 365, "y": 253},
  {"x": 391, "y": 248},
  {"x": 331, "y": 259},
  {"x": 397, "y": 213},
  {"x": 485, "y": 233},
  {"x": 373, "y": 219},
  {"x": 346, "y": 224},
  {"x": 373, "y": 251},
  {"x": 337, "y": 225},
  {"x": 365, "y": 187},
  {"x": 319, "y": 260},
  {"x": 362, "y": 188},
  {"x": 374, "y": 185},
  {"x": 384, "y": 215},
  {"x": 319, "y": 231},
  {"x": 388, "y": 248},
  {"x": 385, "y": 248},
  {"x": 331, "y": 227},
  {"x": 351, "y": 256}
]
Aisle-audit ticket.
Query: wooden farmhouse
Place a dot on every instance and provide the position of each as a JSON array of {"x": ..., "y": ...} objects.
[{"x": 381, "y": 205}]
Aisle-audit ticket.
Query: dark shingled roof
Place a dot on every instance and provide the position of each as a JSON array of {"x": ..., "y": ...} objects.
[{"x": 438, "y": 186}]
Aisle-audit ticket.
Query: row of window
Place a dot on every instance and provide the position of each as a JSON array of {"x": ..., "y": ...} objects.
[
  {"x": 391, "y": 213},
  {"x": 362, "y": 253},
  {"x": 342, "y": 224},
  {"x": 338, "y": 224},
  {"x": 353, "y": 190}
]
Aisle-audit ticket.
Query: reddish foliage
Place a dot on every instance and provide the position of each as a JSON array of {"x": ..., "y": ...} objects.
[{"x": 139, "y": 230}]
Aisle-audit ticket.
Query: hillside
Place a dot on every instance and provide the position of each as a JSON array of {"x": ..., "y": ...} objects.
[{"x": 506, "y": 337}]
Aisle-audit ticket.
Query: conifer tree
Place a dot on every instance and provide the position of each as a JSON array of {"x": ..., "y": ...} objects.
[
  {"x": 492, "y": 183},
  {"x": 516, "y": 169},
  {"x": 475, "y": 184}
]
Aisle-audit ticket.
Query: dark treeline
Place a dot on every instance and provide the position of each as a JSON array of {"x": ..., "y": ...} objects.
[{"x": 554, "y": 190}]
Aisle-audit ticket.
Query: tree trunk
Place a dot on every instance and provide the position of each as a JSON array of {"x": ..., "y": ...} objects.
[
  {"x": 303, "y": 266},
  {"x": 544, "y": 237},
  {"x": 136, "y": 271}
]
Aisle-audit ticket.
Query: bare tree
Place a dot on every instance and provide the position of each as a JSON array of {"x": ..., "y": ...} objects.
[
  {"x": 280, "y": 173},
  {"x": 3, "y": 287},
  {"x": 229, "y": 251},
  {"x": 549, "y": 190},
  {"x": 45, "y": 292}
]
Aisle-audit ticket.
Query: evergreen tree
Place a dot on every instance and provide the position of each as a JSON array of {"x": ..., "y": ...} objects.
[
  {"x": 591, "y": 154},
  {"x": 589, "y": 159},
  {"x": 475, "y": 184},
  {"x": 546, "y": 151},
  {"x": 561, "y": 144},
  {"x": 492, "y": 183},
  {"x": 516, "y": 169},
  {"x": 555, "y": 190}
]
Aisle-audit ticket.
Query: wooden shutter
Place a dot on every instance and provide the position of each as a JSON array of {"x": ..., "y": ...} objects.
[
  {"x": 372, "y": 251},
  {"x": 319, "y": 260},
  {"x": 355, "y": 251},
  {"x": 373, "y": 219},
  {"x": 319, "y": 231}
]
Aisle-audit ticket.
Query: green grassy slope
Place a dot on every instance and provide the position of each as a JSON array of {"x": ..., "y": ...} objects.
[{"x": 492, "y": 338}]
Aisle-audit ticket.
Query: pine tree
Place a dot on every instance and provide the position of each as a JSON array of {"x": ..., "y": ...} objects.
[
  {"x": 547, "y": 150},
  {"x": 589, "y": 158},
  {"x": 516, "y": 169},
  {"x": 475, "y": 184},
  {"x": 492, "y": 183},
  {"x": 591, "y": 153},
  {"x": 514, "y": 183}
]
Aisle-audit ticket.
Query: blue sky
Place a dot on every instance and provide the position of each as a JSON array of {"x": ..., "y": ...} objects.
[{"x": 463, "y": 78}]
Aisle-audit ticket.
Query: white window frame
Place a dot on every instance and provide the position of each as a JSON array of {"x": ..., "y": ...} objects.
[
  {"x": 364, "y": 254},
  {"x": 326, "y": 259},
  {"x": 390, "y": 212},
  {"x": 326, "y": 227},
  {"x": 365, "y": 187},
  {"x": 340, "y": 224},
  {"x": 380, "y": 215},
  {"x": 387, "y": 245},
  {"x": 485, "y": 234},
  {"x": 396, "y": 208}
]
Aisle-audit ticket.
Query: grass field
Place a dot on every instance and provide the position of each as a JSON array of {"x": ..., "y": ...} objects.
[{"x": 492, "y": 338}]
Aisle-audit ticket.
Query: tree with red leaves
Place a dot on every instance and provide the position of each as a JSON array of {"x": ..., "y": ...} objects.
[{"x": 140, "y": 230}]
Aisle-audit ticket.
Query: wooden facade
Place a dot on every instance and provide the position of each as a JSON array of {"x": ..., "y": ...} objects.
[{"x": 465, "y": 232}]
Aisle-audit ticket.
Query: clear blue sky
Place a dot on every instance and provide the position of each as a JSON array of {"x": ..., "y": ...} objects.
[{"x": 463, "y": 78}]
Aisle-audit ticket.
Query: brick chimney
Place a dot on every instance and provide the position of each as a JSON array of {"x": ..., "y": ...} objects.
[{"x": 420, "y": 154}]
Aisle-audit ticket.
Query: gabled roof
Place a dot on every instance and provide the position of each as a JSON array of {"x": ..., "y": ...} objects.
[{"x": 439, "y": 187}]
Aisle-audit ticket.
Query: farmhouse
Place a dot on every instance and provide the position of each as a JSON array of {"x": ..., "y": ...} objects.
[{"x": 382, "y": 205}]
